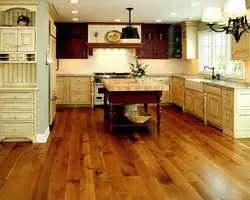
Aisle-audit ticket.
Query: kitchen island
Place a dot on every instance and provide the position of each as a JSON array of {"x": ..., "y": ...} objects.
[{"x": 128, "y": 91}]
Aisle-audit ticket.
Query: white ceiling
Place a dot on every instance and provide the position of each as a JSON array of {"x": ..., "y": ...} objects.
[{"x": 144, "y": 10}]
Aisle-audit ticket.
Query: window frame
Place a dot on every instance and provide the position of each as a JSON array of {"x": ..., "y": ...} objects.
[{"x": 227, "y": 74}]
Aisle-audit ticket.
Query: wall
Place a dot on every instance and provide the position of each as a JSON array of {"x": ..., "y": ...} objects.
[{"x": 42, "y": 69}]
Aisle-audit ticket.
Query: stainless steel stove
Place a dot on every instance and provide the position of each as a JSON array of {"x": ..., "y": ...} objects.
[{"x": 99, "y": 92}]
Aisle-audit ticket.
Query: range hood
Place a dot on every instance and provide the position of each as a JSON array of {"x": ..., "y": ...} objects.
[{"x": 136, "y": 46}]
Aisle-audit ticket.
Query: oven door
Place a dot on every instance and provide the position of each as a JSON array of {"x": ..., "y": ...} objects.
[{"x": 99, "y": 94}]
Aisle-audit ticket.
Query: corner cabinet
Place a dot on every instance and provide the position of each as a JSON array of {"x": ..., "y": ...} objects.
[
  {"x": 177, "y": 89},
  {"x": 189, "y": 39},
  {"x": 154, "y": 37}
]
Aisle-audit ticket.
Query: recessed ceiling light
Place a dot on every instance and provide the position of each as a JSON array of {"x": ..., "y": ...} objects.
[
  {"x": 74, "y": 1},
  {"x": 75, "y": 19},
  {"x": 158, "y": 20},
  {"x": 194, "y": 4},
  {"x": 173, "y": 13},
  {"x": 74, "y": 11},
  {"x": 117, "y": 20}
]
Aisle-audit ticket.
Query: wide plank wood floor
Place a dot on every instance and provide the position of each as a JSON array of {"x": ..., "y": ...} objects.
[{"x": 82, "y": 161}]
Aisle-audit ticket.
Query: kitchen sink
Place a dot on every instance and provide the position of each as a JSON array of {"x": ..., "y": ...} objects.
[{"x": 196, "y": 84}]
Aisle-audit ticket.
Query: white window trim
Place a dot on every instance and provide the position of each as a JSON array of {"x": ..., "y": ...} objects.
[{"x": 207, "y": 72}]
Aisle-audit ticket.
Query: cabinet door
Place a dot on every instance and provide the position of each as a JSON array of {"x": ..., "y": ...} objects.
[
  {"x": 63, "y": 44},
  {"x": 61, "y": 90},
  {"x": 228, "y": 119},
  {"x": 189, "y": 101},
  {"x": 240, "y": 50},
  {"x": 199, "y": 105},
  {"x": 214, "y": 109},
  {"x": 9, "y": 40},
  {"x": 26, "y": 40},
  {"x": 165, "y": 96}
]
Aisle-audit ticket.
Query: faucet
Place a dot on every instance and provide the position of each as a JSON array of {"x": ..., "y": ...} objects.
[{"x": 213, "y": 76}]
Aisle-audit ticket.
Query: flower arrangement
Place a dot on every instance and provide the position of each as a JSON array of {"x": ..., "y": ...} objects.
[
  {"x": 138, "y": 70},
  {"x": 23, "y": 20}
]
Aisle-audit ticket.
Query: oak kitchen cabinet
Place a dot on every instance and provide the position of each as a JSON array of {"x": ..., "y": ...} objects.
[
  {"x": 189, "y": 39},
  {"x": 194, "y": 102},
  {"x": 214, "y": 105},
  {"x": 177, "y": 91},
  {"x": 71, "y": 40},
  {"x": 74, "y": 91},
  {"x": 240, "y": 50},
  {"x": 155, "y": 37}
]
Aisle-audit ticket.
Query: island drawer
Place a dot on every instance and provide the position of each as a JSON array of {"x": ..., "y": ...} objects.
[
  {"x": 12, "y": 106},
  {"x": 16, "y": 116},
  {"x": 9, "y": 96},
  {"x": 76, "y": 80},
  {"x": 17, "y": 129},
  {"x": 214, "y": 90}
]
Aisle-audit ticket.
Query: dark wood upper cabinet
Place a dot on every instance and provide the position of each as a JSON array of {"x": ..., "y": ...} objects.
[
  {"x": 155, "y": 37},
  {"x": 71, "y": 40}
]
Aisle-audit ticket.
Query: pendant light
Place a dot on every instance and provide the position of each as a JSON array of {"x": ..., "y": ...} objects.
[{"x": 130, "y": 32}]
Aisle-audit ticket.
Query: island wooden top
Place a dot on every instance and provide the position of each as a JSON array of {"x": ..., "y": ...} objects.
[{"x": 115, "y": 85}]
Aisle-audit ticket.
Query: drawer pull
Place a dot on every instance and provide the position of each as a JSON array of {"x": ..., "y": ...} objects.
[
  {"x": 15, "y": 97},
  {"x": 15, "y": 117},
  {"x": 14, "y": 129}
]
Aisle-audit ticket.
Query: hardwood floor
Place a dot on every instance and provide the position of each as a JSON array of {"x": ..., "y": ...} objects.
[{"x": 82, "y": 161}]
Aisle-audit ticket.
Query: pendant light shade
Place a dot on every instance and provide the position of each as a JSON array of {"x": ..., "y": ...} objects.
[{"x": 130, "y": 32}]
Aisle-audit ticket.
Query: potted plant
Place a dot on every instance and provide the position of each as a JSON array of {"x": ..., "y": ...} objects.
[
  {"x": 138, "y": 70},
  {"x": 23, "y": 20}
]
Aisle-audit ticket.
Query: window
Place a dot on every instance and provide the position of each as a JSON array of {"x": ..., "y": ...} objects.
[{"x": 215, "y": 50}]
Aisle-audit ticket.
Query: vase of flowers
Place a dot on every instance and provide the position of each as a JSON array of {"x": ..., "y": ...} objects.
[{"x": 138, "y": 70}]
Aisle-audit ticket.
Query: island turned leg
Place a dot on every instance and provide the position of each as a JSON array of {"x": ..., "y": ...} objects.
[
  {"x": 158, "y": 112},
  {"x": 110, "y": 117},
  {"x": 145, "y": 107},
  {"x": 105, "y": 104}
]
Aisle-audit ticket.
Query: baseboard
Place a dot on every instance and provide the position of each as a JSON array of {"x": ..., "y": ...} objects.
[{"x": 42, "y": 138}]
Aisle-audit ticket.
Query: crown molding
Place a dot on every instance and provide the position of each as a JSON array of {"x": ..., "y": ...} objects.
[
  {"x": 21, "y": 2},
  {"x": 52, "y": 11}
]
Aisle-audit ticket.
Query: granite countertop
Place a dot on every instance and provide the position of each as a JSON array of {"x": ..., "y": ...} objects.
[
  {"x": 58, "y": 74},
  {"x": 132, "y": 85}
]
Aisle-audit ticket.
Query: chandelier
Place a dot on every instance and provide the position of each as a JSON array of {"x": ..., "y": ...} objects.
[{"x": 234, "y": 15}]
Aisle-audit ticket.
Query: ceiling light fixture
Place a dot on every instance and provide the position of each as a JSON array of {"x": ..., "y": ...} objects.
[
  {"x": 234, "y": 13},
  {"x": 194, "y": 4},
  {"x": 74, "y": 1},
  {"x": 75, "y": 19},
  {"x": 130, "y": 32},
  {"x": 75, "y": 12},
  {"x": 158, "y": 20},
  {"x": 117, "y": 20},
  {"x": 173, "y": 13}
]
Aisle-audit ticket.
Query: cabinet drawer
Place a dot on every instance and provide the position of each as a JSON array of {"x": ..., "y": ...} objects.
[
  {"x": 242, "y": 100},
  {"x": 16, "y": 116},
  {"x": 214, "y": 90},
  {"x": 4, "y": 106},
  {"x": 80, "y": 80},
  {"x": 228, "y": 119},
  {"x": 228, "y": 99},
  {"x": 26, "y": 96},
  {"x": 80, "y": 99},
  {"x": 17, "y": 129},
  {"x": 80, "y": 87}
]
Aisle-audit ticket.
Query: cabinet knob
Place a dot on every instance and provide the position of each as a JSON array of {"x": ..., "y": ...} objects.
[
  {"x": 15, "y": 97},
  {"x": 15, "y": 117},
  {"x": 14, "y": 129}
]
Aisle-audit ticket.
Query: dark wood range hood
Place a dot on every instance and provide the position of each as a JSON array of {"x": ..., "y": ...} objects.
[{"x": 136, "y": 46}]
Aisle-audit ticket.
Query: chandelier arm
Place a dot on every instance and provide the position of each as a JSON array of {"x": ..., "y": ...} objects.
[
  {"x": 244, "y": 23},
  {"x": 218, "y": 31}
]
